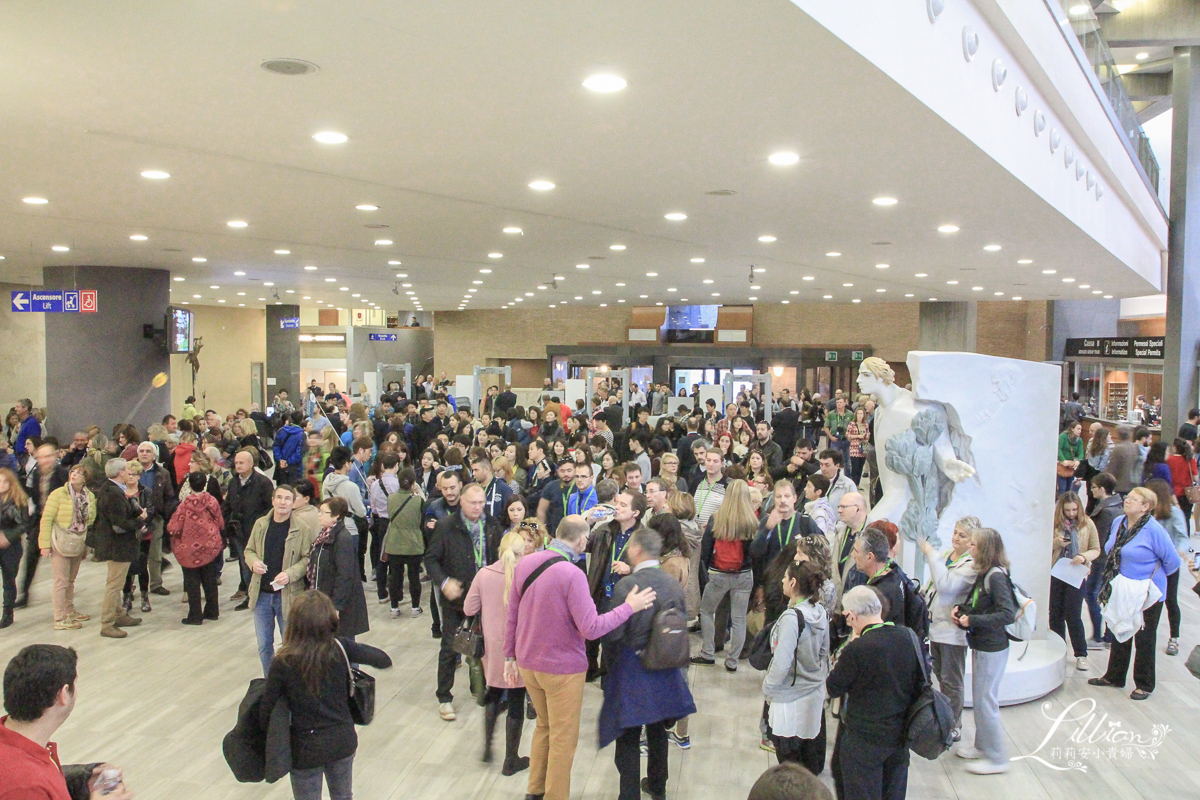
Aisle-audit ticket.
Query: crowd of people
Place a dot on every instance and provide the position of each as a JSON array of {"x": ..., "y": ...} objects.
[{"x": 568, "y": 540}]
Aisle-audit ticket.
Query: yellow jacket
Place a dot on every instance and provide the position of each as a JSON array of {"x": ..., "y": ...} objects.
[{"x": 60, "y": 509}]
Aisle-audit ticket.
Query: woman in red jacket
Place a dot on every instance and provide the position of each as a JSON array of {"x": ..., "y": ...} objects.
[
  {"x": 196, "y": 542},
  {"x": 1182, "y": 463}
]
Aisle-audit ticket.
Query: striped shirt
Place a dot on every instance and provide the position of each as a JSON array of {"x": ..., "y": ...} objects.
[{"x": 708, "y": 498}]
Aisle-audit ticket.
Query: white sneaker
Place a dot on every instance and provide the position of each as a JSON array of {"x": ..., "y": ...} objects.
[
  {"x": 964, "y": 750},
  {"x": 416, "y": 612},
  {"x": 446, "y": 712},
  {"x": 1081, "y": 663},
  {"x": 986, "y": 767},
  {"x": 395, "y": 613}
]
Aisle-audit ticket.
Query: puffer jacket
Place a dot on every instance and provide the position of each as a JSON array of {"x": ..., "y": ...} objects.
[{"x": 60, "y": 508}]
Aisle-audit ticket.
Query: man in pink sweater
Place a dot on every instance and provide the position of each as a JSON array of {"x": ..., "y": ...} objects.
[{"x": 544, "y": 644}]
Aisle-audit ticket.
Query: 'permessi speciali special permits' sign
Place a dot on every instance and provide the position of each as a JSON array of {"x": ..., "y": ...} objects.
[{"x": 1133, "y": 347}]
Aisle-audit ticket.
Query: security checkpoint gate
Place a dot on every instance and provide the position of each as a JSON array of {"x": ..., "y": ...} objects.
[
  {"x": 763, "y": 378},
  {"x": 477, "y": 399},
  {"x": 624, "y": 374},
  {"x": 386, "y": 373}
]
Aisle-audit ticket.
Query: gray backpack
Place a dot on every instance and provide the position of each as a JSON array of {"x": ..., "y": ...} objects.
[{"x": 668, "y": 647}]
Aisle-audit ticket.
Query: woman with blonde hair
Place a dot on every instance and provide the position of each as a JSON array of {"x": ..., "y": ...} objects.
[
  {"x": 15, "y": 518},
  {"x": 72, "y": 509},
  {"x": 504, "y": 471},
  {"x": 668, "y": 471},
  {"x": 1076, "y": 540},
  {"x": 725, "y": 557},
  {"x": 489, "y": 596}
]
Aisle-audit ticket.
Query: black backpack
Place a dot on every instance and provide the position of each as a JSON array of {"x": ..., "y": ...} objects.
[
  {"x": 668, "y": 646},
  {"x": 929, "y": 723},
  {"x": 916, "y": 616}
]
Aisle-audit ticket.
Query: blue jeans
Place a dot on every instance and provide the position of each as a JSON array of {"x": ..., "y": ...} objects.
[
  {"x": 267, "y": 612},
  {"x": 1091, "y": 593},
  {"x": 306, "y": 783}
]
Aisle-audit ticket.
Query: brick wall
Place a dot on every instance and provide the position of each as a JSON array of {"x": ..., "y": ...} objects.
[
  {"x": 891, "y": 329},
  {"x": 1012, "y": 329}
]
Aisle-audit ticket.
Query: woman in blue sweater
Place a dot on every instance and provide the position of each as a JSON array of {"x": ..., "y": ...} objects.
[{"x": 1138, "y": 548}]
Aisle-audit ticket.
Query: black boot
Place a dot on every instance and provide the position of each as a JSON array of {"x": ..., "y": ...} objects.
[
  {"x": 512, "y": 740},
  {"x": 490, "y": 712},
  {"x": 7, "y": 618}
]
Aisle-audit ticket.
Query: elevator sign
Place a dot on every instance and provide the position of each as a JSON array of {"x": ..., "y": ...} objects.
[{"x": 58, "y": 301}]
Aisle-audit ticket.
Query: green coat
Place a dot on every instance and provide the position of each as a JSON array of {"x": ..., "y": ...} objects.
[
  {"x": 1068, "y": 451},
  {"x": 404, "y": 536}
]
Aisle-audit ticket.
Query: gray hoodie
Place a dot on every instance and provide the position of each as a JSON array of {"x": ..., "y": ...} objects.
[
  {"x": 339, "y": 485},
  {"x": 798, "y": 673}
]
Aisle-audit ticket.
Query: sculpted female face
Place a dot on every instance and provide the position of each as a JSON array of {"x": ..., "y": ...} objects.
[{"x": 868, "y": 382}]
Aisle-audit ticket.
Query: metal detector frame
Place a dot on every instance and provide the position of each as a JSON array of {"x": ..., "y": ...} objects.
[
  {"x": 406, "y": 384},
  {"x": 759, "y": 377},
  {"x": 505, "y": 371},
  {"x": 625, "y": 374}
]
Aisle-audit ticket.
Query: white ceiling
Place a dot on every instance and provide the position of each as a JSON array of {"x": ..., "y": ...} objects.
[{"x": 452, "y": 109}]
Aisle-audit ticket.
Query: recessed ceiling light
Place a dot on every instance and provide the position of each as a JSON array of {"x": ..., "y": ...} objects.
[
  {"x": 908, "y": 295},
  {"x": 595, "y": 291},
  {"x": 180, "y": 280},
  {"x": 1068, "y": 280},
  {"x": 651, "y": 274},
  {"x": 808, "y": 278},
  {"x": 716, "y": 294},
  {"x": 582, "y": 266},
  {"x": 367, "y": 207},
  {"x": 784, "y": 158},
  {"x": 834, "y": 254},
  {"x": 675, "y": 216},
  {"x": 755, "y": 288},
  {"x": 992, "y": 248},
  {"x": 766, "y": 239},
  {"x": 948, "y": 229},
  {"x": 310, "y": 268},
  {"x": 605, "y": 82},
  {"x": 486, "y": 271},
  {"x": 785, "y": 302},
  {"x": 513, "y": 230},
  {"x": 1106, "y": 297},
  {"x": 331, "y": 137},
  {"x": 383, "y": 242},
  {"x": 1085, "y": 286},
  {"x": 1142, "y": 56},
  {"x": 882, "y": 266},
  {"x": 921, "y": 275},
  {"x": 35, "y": 201},
  {"x": 330, "y": 280},
  {"x": 697, "y": 260},
  {"x": 137, "y": 237},
  {"x": 998, "y": 294},
  {"x": 671, "y": 289},
  {"x": 290, "y": 291},
  {"x": 241, "y": 294},
  {"x": 343, "y": 288},
  {"x": 578, "y": 297},
  {"x": 262, "y": 298},
  {"x": 283, "y": 252},
  {"x": 1024, "y": 260},
  {"x": 185, "y": 303},
  {"x": 541, "y": 186},
  {"x": 495, "y": 255},
  {"x": 237, "y": 223},
  {"x": 933, "y": 299},
  {"x": 881, "y": 290},
  {"x": 243, "y": 305},
  {"x": 643, "y": 296},
  {"x": 155, "y": 174},
  {"x": 1049, "y": 271},
  {"x": 976, "y": 288},
  {"x": 410, "y": 293},
  {"x": 794, "y": 291},
  {"x": 196, "y": 297},
  {"x": 406, "y": 285},
  {"x": 356, "y": 294},
  {"x": 477, "y": 282},
  {"x": 268, "y": 283},
  {"x": 199, "y": 259},
  {"x": 952, "y": 283},
  {"x": 239, "y": 273},
  {"x": 708, "y": 280},
  {"x": 884, "y": 201}
]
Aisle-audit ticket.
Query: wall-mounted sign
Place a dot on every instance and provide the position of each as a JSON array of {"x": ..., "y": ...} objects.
[
  {"x": 381, "y": 337},
  {"x": 1131, "y": 347},
  {"x": 58, "y": 301},
  {"x": 289, "y": 323},
  {"x": 856, "y": 355},
  {"x": 831, "y": 355}
]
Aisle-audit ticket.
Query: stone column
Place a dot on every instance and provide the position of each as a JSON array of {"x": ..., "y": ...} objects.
[
  {"x": 100, "y": 366},
  {"x": 1183, "y": 247},
  {"x": 948, "y": 326},
  {"x": 283, "y": 353}
]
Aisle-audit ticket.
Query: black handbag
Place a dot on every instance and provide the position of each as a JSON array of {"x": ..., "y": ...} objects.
[
  {"x": 929, "y": 723},
  {"x": 468, "y": 639},
  {"x": 362, "y": 692}
]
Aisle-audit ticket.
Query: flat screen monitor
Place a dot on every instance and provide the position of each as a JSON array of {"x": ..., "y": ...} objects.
[
  {"x": 179, "y": 330},
  {"x": 682, "y": 318}
]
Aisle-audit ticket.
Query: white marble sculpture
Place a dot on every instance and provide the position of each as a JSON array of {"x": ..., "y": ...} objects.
[{"x": 999, "y": 450}]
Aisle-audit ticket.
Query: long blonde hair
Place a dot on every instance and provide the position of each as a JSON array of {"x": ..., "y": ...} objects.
[
  {"x": 16, "y": 493},
  {"x": 735, "y": 519},
  {"x": 512, "y": 547},
  {"x": 1082, "y": 521}
]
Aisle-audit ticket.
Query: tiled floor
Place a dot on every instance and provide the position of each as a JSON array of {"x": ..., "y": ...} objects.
[{"x": 159, "y": 702}]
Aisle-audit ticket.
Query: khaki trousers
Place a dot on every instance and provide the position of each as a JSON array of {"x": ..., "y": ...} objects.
[
  {"x": 112, "y": 609},
  {"x": 64, "y": 570},
  {"x": 558, "y": 700}
]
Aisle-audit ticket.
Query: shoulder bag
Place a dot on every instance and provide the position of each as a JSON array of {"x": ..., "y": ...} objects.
[
  {"x": 361, "y": 691},
  {"x": 468, "y": 639},
  {"x": 67, "y": 543},
  {"x": 929, "y": 723},
  {"x": 1192, "y": 491}
]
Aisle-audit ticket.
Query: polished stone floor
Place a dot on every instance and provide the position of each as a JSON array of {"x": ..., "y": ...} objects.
[{"x": 159, "y": 702}]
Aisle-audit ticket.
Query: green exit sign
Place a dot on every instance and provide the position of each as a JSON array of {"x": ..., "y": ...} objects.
[
  {"x": 856, "y": 355},
  {"x": 831, "y": 355}
]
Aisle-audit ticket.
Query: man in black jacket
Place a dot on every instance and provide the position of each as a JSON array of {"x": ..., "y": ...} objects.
[
  {"x": 160, "y": 506},
  {"x": 424, "y": 432},
  {"x": 505, "y": 401},
  {"x": 248, "y": 498},
  {"x": 459, "y": 549},
  {"x": 871, "y": 556},
  {"x": 880, "y": 675},
  {"x": 116, "y": 540}
]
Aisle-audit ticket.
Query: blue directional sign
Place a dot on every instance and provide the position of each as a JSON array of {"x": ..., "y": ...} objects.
[
  {"x": 381, "y": 337},
  {"x": 20, "y": 301},
  {"x": 287, "y": 323}
]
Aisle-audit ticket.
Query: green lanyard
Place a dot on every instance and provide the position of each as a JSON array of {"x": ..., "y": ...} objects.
[
  {"x": 477, "y": 548},
  {"x": 566, "y": 496},
  {"x": 615, "y": 555},
  {"x": 779, "y": 538},
  {"x": 952, "y": 564},
  {"x": 873, "y": 627},
  {"x": 700, "y": 500}
]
